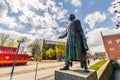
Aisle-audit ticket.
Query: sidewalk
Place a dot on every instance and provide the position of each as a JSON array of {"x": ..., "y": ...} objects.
[
  {"x": 31, "y": 66},
  {"x": 5, "y": 71},
  {"x": 27, "y": 72}
]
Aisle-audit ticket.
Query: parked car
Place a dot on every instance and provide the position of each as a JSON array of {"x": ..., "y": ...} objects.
[{"x": 30, "y": 58}]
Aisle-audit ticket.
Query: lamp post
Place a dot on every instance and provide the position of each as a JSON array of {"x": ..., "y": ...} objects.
[{"x": 15, "y": 58}]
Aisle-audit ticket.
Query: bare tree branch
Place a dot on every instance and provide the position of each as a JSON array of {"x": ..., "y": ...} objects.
[{"x": 3, "y": 38}]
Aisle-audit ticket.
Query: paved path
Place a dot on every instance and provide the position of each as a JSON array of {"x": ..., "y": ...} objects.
[
  {"x": 28, "y": 72},
  {"x": 31, "y": 75},
  {"x": 5, "y": 71}
]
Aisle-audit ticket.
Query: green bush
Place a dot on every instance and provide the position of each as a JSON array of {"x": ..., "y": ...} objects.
[{"x": 97, "y": 65}]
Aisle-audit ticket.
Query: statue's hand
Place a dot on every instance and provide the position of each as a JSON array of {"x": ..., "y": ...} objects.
[{"x": 59, "y": 37}]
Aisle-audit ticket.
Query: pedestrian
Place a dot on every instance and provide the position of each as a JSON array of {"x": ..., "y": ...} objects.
[{"x": 88, "y": 61}]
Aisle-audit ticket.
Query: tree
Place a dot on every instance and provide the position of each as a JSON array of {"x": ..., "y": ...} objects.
[
  {"x": 60, "y": 50},
  {"x": 50, "y": 53},
  {"x": 3, "y": 38},
  {"x": 11, "y": 43},
  {"x": 33, "y": 47}
]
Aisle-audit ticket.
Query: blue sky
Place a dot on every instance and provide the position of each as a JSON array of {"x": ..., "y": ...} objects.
[{"x": 47, "y": 18}]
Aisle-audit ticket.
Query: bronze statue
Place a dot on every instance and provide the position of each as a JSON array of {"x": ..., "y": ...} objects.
[{"x": 76, "y": 45}]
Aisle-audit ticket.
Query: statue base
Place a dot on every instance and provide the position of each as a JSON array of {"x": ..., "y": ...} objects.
[{"x": 75, "y": 74}]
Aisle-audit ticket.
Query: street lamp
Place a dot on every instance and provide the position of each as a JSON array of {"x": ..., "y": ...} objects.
[{"x": 15, "y": 58}]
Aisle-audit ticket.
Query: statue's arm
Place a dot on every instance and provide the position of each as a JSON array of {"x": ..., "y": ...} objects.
[{"x": 63, "y": 35}]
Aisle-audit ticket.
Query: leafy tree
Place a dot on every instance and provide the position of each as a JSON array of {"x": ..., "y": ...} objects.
[
  {"x": 50, "y": 53},
  {"x": 60, "y": 50},
  {"x": 33, "y": 47}
]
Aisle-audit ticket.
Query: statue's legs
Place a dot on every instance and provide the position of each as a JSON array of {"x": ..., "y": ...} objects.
[
  {"x": 66, "y": 67},
  {"x": 83, "y": 62},
  {"x": 67, "y": 62},
  {"x": 85, "y": 66}
]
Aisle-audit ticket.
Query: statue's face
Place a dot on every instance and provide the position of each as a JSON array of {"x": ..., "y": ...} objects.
[{"x": 72, "y": 16}]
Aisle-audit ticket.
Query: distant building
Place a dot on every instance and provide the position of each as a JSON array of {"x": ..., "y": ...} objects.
[
  {"x": 51, "y": 44},
  {"x": 112, "y": 45},
  {"x": 100, "y": 55}
]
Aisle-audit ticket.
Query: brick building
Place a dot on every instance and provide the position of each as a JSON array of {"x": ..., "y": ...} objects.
[{"x": 112, "y": 45}]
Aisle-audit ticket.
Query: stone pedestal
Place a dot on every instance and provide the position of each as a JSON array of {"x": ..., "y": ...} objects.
[{"x": 75, "y": 74}]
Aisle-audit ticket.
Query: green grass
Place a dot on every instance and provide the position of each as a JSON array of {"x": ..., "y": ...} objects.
[{"x": 97, "y": 65}]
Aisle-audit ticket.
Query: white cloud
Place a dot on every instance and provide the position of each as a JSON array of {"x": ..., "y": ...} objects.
[
  {"x": 58, "y": 13},
  {"x": 16, "y": 35},
  {"x": 3, "y": 8},
  {"x": 44, "y": 21},
  {"x": 94, "y": 38},
  {"x": 48, "y": 33},
  {"x": 10, "y": 22},
  {"x": 76, "y": 10},
  {"x": 76, "y": 3},
  {"x": 95, "y": 17},
  {"x": 86, "y": 30},
  {"x": 40, "y": 14},
  {"x": 61, "y": 29},
  {"x": 30, "y": 16},
  {"x": 115, "y": 5}
]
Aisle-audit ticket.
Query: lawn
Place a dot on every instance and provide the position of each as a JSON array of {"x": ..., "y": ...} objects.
[{"x": 97, "y": 65}]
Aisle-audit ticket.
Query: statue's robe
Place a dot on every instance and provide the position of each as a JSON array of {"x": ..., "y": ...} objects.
[{"x": 76, "y": 43}]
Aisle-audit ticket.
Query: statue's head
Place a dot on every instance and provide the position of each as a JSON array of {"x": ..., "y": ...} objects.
[{"x": 72, "y": 17}]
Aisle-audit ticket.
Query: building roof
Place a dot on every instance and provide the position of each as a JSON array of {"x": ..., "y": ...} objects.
[
  {"x": 51, "y": 41},
  {"x": 111, "y": 35}
]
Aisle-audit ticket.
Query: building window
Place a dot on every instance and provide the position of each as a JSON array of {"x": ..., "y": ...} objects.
[
  {"x": 118, "y": 41},
  {"x": 111, "y": 49},
  {"x": 109, "y": 42},
  {"x": 118, "y": 49}
]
